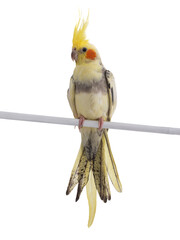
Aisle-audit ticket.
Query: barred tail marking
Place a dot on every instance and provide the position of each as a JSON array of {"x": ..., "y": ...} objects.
[
  {"x": 80, "y": 173},
  {"x": 100, "y": 173}
]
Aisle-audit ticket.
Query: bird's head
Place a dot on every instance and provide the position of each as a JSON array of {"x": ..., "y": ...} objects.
[{"x": 82, "y": 51}]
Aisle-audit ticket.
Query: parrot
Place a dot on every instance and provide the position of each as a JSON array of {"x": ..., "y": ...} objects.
[{"x": 92, "y": 95}]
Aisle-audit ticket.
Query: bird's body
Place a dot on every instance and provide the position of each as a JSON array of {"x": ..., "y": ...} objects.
[{"x": 92, "y": 95}]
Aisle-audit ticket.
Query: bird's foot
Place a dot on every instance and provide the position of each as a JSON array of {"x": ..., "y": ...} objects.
[
  {"x": 81, "y": 122},
  {"x": 100, "y": 123}
]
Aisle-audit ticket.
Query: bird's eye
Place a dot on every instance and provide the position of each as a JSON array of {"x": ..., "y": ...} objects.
[{"x": 84, "y": 49}]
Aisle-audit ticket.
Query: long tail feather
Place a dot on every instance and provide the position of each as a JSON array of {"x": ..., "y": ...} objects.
[
  {"x": 110, "y": 164},
  {"x": 93, "y": 164},
  {"x": 74, "y": 174},
  {"x": 84, "y": 176},
  {"x": 100, "y": 174},
  {"x": 91, "y": 195},
  {"x": 80, "y": 173}
]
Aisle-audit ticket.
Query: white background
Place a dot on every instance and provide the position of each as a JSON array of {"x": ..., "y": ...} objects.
[{"x": 139, "y": 42}]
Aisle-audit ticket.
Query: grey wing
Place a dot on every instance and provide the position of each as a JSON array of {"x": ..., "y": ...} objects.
[
  {"x": 111, "y": 93},
  {"x": 71, "y": 97}
]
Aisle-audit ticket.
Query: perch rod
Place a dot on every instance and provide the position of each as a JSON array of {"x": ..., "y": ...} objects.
[{"x": 88, "y": 123}]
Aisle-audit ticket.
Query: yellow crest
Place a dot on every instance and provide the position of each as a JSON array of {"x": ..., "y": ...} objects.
[{"x": 79, "y": 36}]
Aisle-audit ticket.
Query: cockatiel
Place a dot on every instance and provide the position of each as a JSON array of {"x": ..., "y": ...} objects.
[{"x": 92, "y": 95}]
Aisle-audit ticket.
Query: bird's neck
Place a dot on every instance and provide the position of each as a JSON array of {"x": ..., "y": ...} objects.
[{"x": 88, "y": 72}]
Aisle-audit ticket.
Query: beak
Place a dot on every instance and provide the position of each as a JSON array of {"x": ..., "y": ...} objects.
[{"x": 74, "y": 54}]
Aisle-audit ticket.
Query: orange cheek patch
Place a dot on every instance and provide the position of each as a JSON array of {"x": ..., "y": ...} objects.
[{"x": 91, "y": 54}]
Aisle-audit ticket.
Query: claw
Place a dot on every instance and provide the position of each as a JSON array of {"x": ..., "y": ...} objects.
[
  {"x": 81, "y": 122},
  {"x": 100, "y": 123}
]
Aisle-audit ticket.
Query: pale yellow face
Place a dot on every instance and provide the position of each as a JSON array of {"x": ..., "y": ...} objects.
[{"x": 85, "y": 54}]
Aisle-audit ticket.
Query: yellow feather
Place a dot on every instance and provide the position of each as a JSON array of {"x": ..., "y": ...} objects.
[
  {"x": 74, "y": 176},
  {"x": 88, "y": 73},
  {"x": 91, "y": 195},
  {"x": 111, "y": 166},
  {"x": 79, "y": 36}
]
